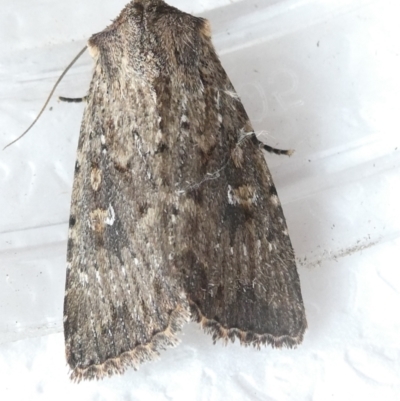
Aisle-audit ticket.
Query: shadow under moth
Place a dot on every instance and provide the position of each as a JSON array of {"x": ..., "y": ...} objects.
[{"x": 174, "y": 214}]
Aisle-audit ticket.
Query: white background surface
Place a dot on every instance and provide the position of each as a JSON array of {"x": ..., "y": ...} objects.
[{"x": 321, "y": 77}]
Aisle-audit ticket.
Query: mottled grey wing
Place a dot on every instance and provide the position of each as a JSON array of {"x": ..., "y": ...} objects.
[
  {"x": 233, "y": 249},
  {"x": 122, "y": 301}
]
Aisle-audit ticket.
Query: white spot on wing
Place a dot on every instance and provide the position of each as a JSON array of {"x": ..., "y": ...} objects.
[
  {"x": 231, "y": 201},
  {"x": 110, "y": 216}
]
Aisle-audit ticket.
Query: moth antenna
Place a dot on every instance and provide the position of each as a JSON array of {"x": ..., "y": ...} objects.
[{"x": 49, "y": 97}]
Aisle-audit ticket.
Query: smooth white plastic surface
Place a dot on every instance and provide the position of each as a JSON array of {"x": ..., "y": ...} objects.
[{"x": 321, "y": 77}]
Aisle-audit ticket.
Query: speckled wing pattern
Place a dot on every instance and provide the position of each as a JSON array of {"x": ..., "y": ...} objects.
[{"x": 174, "y": 213}]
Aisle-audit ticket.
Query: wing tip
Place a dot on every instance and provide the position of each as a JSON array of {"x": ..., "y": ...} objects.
[
  {"x": 246, "y": 338},
  {"x": 141, "y": 353}
]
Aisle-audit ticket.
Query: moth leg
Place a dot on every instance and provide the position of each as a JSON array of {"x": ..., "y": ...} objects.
[
  {"x": 73, "y": 99},
  {"x": 270, "y": 149}
]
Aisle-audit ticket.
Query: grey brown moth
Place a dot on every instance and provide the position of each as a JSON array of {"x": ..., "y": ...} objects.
[{"x": 174, "y": 214}]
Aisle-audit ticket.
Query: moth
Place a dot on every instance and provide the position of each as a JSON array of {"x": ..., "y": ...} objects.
[{"x": 174, "y": 214}]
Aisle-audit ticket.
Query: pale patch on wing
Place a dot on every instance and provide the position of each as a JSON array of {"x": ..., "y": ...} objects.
[{"x": 245, "y": 195}]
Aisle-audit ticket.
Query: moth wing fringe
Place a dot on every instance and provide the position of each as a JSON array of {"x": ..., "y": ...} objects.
[
  {"x": 141, "y": 353},
  {"x": 246, "y": 338}
]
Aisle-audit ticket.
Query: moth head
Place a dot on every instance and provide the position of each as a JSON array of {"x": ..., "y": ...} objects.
[{"x": 149, "y": 38}]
